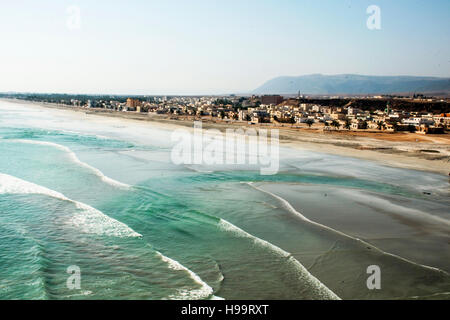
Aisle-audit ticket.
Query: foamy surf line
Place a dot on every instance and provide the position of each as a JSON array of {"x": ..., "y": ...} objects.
[
  {"x": 86, "y": 134},
  {"x": 89, "y": 220},
  {"x": 291, "y": 209},
  {"x": 205, "y": 291},
  {"x": 320, "y": 290},
  {"x": 75, "y": 159}
]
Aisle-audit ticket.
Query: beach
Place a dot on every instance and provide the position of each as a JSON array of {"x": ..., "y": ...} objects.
[
  {"x": 404, "y": 150},
  {"x": 98, "y": 190}
]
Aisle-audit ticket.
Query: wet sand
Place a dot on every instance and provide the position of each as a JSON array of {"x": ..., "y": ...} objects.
[
  {"x": 415, "y": 229},
  {"x": 403, "y": 150}
]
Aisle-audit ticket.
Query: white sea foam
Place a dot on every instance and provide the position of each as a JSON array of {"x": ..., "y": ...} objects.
[
  {"x": 320, "y": 290},
  {"x": 75, "y": 159},
  {"x": 291, "y": 209},
  {"x": 84, "y": 134},
  {"x": 198, "y": 170},
  {"x": 205, "y": 291},
  {"x": 285, "y": 203},
  {"x": 88, "y": 219},
  {"x": 83, "y": 293}
]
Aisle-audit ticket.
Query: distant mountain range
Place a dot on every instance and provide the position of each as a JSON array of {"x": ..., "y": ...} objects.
[{"x": 318, "y": 84}]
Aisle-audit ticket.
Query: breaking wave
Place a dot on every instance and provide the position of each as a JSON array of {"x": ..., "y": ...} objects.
[
  {"x": 88, "y": 220},
  {"x": 318, "y": 289},
  {"x": 75, "y": 159},
  {"x": 205, "y": 291}
]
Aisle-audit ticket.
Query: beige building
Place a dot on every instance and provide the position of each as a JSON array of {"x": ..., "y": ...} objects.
[{"x": 133, "y": 103}]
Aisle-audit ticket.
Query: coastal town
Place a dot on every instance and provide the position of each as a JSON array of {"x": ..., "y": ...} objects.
[{"x": 377, "y": 113}]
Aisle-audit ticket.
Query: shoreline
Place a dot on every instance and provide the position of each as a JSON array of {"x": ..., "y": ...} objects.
[
  {"x": 352, "y": 220},
  {"x": 401, "y": 150}
]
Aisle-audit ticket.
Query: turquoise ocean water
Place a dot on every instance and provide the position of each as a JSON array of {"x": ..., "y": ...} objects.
[{"x": 103, "y": 195}]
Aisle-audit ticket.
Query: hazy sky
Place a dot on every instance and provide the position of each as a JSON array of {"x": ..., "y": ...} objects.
[{"x": 201, "y": 47}]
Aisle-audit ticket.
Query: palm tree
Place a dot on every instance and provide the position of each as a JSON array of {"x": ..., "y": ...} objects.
[
  {"x": 309, "y": 122},
  {"x": 347, "y": 124},
  {"x": 335, "y": 124}
]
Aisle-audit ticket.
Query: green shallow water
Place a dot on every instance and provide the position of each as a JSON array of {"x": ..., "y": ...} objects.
[{"x": 176, "y": 233}]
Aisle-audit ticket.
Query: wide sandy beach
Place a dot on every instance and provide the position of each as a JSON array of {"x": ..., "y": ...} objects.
[{"x": 404, "y": 150}]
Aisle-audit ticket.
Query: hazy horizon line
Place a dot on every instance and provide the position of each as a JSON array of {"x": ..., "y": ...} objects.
[{"x": 249, "y": 92}]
